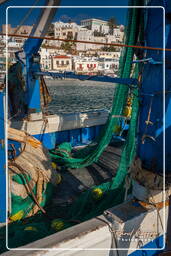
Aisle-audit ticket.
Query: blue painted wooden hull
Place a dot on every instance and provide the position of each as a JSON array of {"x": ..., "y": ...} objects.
[
  {"x": 2, "y": 162},
  {"x": 149, "y": 248},
  {"x": 76, "y": 137}
]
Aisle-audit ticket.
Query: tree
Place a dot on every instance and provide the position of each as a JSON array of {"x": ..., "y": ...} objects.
[
  {"x": 112, "y": 23},
  {"x": 110, "y": 48},
  {"x": 68, "y": 47}
]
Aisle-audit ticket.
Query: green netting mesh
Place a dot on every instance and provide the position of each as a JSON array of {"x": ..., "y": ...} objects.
[
  {"x": 22, "y": 207},
  {"x": 113, "y": 192},
  {"x": 86, "y": 206}
]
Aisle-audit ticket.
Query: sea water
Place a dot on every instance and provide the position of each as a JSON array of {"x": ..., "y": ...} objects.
[{"x": 70, "y": 96}]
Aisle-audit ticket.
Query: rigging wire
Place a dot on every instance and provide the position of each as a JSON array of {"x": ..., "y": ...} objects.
[
  {"x": 25, "y": 17},
  {"x": 23, "y": 20},
  {"x": 90, "y": 42}
]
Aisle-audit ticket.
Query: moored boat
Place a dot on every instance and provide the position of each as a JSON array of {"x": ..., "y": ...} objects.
[{"x": 125, "y": 211}]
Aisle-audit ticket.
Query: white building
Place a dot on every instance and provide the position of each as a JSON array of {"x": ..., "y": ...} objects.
[
  {"x": 118, "y": 33},
  {"x": 45, "y": 59},
  {"x": 22, "y": 30},
  {"x": 65, "y": 31},
  {"x": 108, "y": 66},
  {"x": 13, "y": 47},
  {"x": 46, "y": 55},
  {"x": 87, "y": 35},
  {"x": 84, "y": 34},
  {"x": 116, "y": 37},
  {"x": 109, "y": 55},
  {"x": 96, "y": 25},
  {"x": 2, "y": 39},
  {"x": 62, "y": 63},
  {"x": 86, "y": 66}
]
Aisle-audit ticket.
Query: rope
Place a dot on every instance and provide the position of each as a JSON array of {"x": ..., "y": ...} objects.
[
  {"x": 45, "y": 92},
  {"x": 157, "y": 206},
  {"x": 148, "y": 122},
  {"x": 149, "y": 60},
  {"x": 90, "y": 42},
  {"x": 27, "y": 185},
  {"x": 113, "y": 236},
  {"x": 132, "y": 82}
]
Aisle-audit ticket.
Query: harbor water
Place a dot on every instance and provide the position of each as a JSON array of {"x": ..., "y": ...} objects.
[{"x": 70, "y": 96}]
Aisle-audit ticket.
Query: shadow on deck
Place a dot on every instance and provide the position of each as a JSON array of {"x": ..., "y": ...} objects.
[{"x": 75, "y": 181}]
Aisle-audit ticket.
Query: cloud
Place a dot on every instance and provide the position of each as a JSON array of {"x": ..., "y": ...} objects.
[
  {"x": 65, "y": 18},
  {"x": 77, "y": 18}
]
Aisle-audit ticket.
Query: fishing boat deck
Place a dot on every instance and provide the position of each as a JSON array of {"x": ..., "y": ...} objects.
[{"x": 75, "y": 181}]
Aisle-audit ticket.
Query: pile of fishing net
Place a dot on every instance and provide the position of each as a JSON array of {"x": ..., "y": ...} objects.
[
  {"x": 32, "y": 180},
  {"x": 31, "y": 176}
]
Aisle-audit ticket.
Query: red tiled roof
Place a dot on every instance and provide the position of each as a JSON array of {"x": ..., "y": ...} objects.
[{"x": 61, "y": 57}]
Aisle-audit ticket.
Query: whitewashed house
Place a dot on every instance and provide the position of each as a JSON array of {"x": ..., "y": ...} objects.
[
  {"x": 108, "y": 66},
  {"x": 62, "y": 63},
  {"x": 65, "y": 30},
  {"x": 86, "y": 66},
  {"x": 46, "y": 55},
  {"x": 96, "y": 25}
]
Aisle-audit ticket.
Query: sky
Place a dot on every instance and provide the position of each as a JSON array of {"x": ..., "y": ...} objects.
[{"x": 65, "y": 14}]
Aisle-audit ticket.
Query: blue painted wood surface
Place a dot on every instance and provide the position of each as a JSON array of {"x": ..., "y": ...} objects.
[
  {"x": 2, "y": 162},
  {"x": 150, "y": 135},
  {"x": 155, "y": 244},
  {"x": 76, "y": 137}
]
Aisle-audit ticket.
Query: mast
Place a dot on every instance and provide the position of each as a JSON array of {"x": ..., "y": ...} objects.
[
  {"x": 30, "y": 57},
  {"x": 2, "y": 152}
]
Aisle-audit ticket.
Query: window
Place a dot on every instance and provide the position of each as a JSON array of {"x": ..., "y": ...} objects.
[
  {"x": 57, "y": 63},
  {"x": 62, "y": 62},
  {"x": 67, "y": 62}
]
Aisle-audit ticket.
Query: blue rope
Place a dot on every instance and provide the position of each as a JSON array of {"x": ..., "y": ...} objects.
[
  {"x": 126, "y": 81},
  {"x": 149, "y": 60}
]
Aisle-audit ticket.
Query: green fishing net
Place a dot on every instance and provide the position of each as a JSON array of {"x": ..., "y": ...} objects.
[
  {"x": 113, "y": 191},
  {"x": 86, "y": 156}
]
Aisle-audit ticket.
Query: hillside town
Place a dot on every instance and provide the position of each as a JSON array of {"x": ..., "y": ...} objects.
[{"x": 61, "y": 56}]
